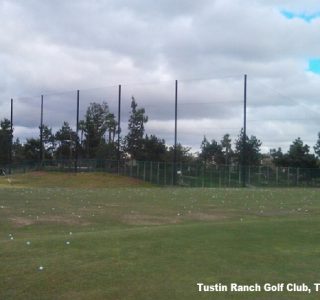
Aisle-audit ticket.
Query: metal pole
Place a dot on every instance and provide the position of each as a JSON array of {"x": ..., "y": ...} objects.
[
  {"x": 119, "y": 120},
  {"x": 11, "y": 137},
  {"x": 202, "y": 176},
  {"x": 77, "y": 137},
  {"x": 175, "y": 134},
  {"x": 41, "y": 131},
  {"x": 260, "y": 171},
  {"x": 244, "y": 131},
  {"x": 138, "y": 169}
]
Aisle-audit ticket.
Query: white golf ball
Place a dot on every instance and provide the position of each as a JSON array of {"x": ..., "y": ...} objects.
[{"x": 41, "y": 268}]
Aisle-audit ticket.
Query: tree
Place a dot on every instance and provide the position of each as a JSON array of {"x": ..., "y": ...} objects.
[
  {"x": 211, "y": 152},
  {"x": 98, "y": 120},
  {"x": 66, "y": 139},
  {"x": 317, "y": 146},
  {"x": 249, "y": 153},
  {"x": 153, "y": 149},
  {"x": 48, "y": 140},
  {"x": 111, "y": 127},
  {"x": 107, "y": 150},
  {"x": 183, "y": 154},
  {"x": 298, "y": 156},
  {"x": 204, "y": 154},
  {"x": 17, "y": 151},
  {"x": 32, "y": 149},
  {"x": 5, "y": 141},
  {"x": 277, "y": 157},
  {"x": 226, "y": 148},
  {"x": 134, "y": 139}
]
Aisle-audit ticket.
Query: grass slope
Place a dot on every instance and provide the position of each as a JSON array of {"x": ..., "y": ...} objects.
[
  {"x": 70, "y": 180},
  {"x": 153, "y": 243}
]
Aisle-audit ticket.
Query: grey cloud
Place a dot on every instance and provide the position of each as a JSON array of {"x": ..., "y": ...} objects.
[{"x": 48, "y": 47}]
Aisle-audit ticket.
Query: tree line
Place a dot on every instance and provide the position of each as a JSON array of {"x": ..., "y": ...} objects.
[{"x": 97, "y": 139}]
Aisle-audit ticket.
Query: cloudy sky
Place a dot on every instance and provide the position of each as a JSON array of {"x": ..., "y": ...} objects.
[{"x": 56, "y": 47}]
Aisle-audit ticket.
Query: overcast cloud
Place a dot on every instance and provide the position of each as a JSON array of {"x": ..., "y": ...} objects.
[{"x": 56, "y": 47}]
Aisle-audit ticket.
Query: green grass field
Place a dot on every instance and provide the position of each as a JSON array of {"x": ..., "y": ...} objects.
[{"x": 99, "y": 236}]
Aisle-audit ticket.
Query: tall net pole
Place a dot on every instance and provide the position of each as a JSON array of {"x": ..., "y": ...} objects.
[
  {"x": 119, "y": 120},
  {"x": 11, "y": 137},
  {"x": 175, "y": 134},
  {"x": 41, "y": 131},
  {"x": 244, "y": 146},
  {"x": 77, "y": 136}
]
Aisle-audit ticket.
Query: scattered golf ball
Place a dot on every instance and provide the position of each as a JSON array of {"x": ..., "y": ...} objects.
[
  {"x": 28, "y": 242},
  {"x": 67, "y": 242},
  {"x": 70, "y": 233},
  {"x": 41, "y": 268}
]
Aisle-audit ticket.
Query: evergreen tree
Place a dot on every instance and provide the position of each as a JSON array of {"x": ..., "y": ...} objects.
[
  {"x": 317, "y": 146},
  {"x": 5, "y": 140},
  {"x": 48, "y": 140},
  {"x": 17, "y": 151},
  {"x": 153, "y": 149},
  {"x": 98, "y": 120},
  {"x": 248, "y": 153},
  {"x": 211, "y": 152},
  {"x": 183, "y": 154},
  {"x": 298, "y": 156},
  {"x": 66, "y": 139},
  {"x": 226, "y": 148},
  {"x": 277, "y": 157},
  {"x": 134, "y": 139},
  {"x": 31, "y": 149}
]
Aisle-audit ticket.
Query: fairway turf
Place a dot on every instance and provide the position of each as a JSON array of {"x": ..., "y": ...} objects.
[{"x": 133, "y": 242}]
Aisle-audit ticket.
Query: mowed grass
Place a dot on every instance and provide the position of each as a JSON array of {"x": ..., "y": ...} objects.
[
  {"x": 100, "y": 236},
  {"x": 70, "y": 180}
]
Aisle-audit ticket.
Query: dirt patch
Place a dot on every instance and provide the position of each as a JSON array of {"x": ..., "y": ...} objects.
[
  {"x": 199, "y": 216},
  {"x": 142, "y": 219},
  {"x": 66, "y": 220},
  {"x": 22, "y": 222}
]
